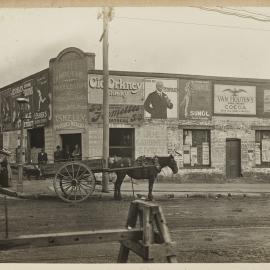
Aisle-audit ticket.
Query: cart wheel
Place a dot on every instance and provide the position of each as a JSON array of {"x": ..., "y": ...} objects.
[{"x": 74, "y": 182}]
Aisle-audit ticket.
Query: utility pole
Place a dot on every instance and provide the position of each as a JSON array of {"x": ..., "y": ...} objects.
[{"x": 107, "y": 17}]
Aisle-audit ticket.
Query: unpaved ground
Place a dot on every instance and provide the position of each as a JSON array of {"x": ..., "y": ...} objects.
[{"x": 205, "y": 229}]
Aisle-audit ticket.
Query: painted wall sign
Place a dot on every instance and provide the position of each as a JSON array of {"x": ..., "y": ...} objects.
[
  {"x": 70, "y": 90},
  {"x": 195, "y": 99},
  {"x": 125, "y": 114},
  {"x": 38, "y": 110},
  {"x": 164, "y": 105},
  {"x": 122, "y": 89},
  {"x": 234, "y": 99}
]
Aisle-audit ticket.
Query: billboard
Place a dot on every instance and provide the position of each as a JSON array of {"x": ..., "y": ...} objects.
[
  {"x": 161, "y": 97},
  {"x": 234, "y": 99},
  {"x": 122, "y": 89},
  {"x": 38, "y": 110},
  {"x": 195, "y": 99},
  {"x": 118, "y": 113}
]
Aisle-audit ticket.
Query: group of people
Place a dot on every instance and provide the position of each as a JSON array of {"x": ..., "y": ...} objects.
[{"x": 65, "y": 154}]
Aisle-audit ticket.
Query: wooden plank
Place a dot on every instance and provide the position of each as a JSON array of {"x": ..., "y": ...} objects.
[
  {"x": 162, "y": 250},
  {"x": 162, "y": 226},
  {"x": 72, "y": 238},
  {"x": 123, "y": 254},
  {"x": 132, "y": 215},
  {"x": 139, "y": 249},
  {"x": 148, "y": 231}
]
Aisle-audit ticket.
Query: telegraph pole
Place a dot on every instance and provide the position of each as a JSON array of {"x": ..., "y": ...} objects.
[{"x": 107, "y": 17}]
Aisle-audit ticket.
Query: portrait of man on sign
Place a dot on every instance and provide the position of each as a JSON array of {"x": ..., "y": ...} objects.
[{"x": 158, "y": 102}]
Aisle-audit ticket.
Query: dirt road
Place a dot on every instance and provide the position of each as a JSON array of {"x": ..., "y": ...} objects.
[{"x": 205, "y": 229}]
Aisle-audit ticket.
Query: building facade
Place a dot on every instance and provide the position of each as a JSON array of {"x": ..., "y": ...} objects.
[{"x": 216, "y": 127}]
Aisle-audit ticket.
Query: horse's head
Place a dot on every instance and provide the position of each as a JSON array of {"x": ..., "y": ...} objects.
[{"x": 172, "y": 164}]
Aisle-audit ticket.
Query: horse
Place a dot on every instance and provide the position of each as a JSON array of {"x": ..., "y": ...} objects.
[{"x": 143, "y": 168}]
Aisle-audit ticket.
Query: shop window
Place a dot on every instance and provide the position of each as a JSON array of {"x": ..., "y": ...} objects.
[
  {"x": 122, "y": 142},
  {"x": 196, "y": 146},
  {"x": 262, "y": 148}
]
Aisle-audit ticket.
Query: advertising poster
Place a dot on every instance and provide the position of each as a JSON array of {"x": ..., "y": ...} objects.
[
  {"x": 186, "y": 150},
  {"x": 193, "y": 156},
  {"x": 160, "y": 98},
  {"x": 122, "y": 89},
  {"x": 258, "y": 154},
  {"x": 234, "y": 99},
  {"x": 265, "y": 150},
  {"x": 125, "y": 114},
  {"x": 36, "y": 111},
  {"x": 205, "y": 153},
  {"x": 195, "y": 99}
]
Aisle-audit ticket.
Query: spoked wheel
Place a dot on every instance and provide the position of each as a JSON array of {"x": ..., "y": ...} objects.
[{"x": 74, "y": 182}]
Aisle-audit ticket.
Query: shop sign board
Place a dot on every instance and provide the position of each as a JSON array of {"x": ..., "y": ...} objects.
[
  {"x": 122, "y": 114},
  {"x": 195, "y": 99},
  {"x": 234, "y": 99},
  {"x": 37, "y": 112},
  {"x": 122, "y": 89}
]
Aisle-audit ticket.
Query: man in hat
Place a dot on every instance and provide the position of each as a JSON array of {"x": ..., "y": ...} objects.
[{"x": 5, "y": 170}]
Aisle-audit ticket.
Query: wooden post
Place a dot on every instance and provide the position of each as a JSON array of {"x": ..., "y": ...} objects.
[{"x": 6, "y": 216}]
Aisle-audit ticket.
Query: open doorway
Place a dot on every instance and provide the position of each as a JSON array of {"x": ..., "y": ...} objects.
[
  {"x": 36, "y": 141},
  {"x": 72, "y": 143},
  {"x": 122, "y": 142}
]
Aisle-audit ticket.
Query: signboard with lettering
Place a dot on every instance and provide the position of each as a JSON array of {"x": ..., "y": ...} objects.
[
  {"x": 37, "y": 112},
  {"x": 195, "y": 99},
  {"x": 234, "y": 99},
  {"x": 122, "y": 89},
  {"x": 70, "y": 90},
  {"x": 123, "y": 114}
]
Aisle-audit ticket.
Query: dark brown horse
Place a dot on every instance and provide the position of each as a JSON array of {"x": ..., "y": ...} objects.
[{"x": 147, "y": 168}]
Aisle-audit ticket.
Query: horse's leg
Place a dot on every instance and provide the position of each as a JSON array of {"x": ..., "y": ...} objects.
[
  {"x": 151, "y": 181},
  {"x": 117, "y": 186}
]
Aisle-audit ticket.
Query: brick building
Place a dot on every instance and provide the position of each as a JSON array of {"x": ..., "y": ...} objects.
[{"x": 216, "y": 127}]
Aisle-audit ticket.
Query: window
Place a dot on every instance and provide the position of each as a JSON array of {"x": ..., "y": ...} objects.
[
  {"x": 262, "y": 147},
  {"x": 122, "y": 142},
  {"x": 196, "y": 146}
]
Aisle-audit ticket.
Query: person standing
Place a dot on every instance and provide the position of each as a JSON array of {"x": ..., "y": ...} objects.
[
  {"x": 5, "y": 170},
  {"x": 58, "y": 154},
  {"x": 42, "y": 160},
  {"x": 76, "y": 153},
  {"x": 158, "y": 102}
]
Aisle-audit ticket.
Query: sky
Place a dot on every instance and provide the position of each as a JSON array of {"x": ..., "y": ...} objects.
[{"x": 178, "y": 40}]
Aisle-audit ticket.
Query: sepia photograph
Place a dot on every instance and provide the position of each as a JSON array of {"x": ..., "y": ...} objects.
[{"x": 135, "y": 134}]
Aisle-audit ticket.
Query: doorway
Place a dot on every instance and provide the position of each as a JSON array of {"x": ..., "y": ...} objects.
[
  {"x": 122, "y": 142},
  {"x": 68, "y": 144},
  {"x": 233, "y": 158},
  {"x": 35, "y": 142}
]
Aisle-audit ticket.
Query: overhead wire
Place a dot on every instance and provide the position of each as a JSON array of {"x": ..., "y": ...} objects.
[
  {"x": 226, "y": 12},
  {"x": 193, "y": 23}
]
